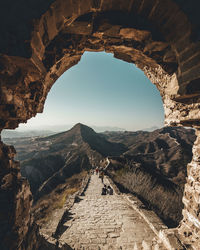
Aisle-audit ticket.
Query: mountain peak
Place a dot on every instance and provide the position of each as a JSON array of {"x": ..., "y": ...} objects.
[{"x": 81, "y": 127}]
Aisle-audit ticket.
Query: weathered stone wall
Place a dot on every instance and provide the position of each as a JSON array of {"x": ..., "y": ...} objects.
[
  {"x": 15, "y": 200},
  {"x": 177, "y": 113},
  {"x": 189, "y": 228},
  {"x": 53, "y": 36},
  {"x": 42, "y": 39}
]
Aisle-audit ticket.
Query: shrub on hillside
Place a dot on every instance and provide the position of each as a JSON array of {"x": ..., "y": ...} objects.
[{"x": 157, "y": 192}]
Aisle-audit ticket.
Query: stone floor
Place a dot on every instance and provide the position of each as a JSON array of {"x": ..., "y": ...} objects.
[{"x": 105, "y": 222}]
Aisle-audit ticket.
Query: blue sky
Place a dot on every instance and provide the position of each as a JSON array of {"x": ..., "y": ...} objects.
[{"x": 102, "y": 91}]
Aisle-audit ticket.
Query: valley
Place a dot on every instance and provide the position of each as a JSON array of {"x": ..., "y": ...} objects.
[{"x": 150, "y": 165}]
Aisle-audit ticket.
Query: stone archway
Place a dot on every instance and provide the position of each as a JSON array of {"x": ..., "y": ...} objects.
[{"x": 43, "y": 40}]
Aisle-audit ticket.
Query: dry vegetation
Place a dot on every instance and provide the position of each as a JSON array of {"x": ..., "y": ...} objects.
[
  {"x": 158, "y": 193},
  {"x": 45, "y": 206}
]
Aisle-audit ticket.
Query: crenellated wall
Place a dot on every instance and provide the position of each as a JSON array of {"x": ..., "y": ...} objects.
[{"x": 42, "y": 39}]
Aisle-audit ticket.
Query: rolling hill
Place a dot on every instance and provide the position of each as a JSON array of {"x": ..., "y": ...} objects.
[{"x": 152, "y": 165}]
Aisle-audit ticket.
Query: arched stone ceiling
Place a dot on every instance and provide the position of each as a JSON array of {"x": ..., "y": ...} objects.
[{"x": 39, "y": 41}]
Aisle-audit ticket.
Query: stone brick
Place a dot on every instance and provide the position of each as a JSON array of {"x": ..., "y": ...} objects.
[
  {"x": 182, "y": 44},
  {"x": 189, "y": 52},
  {"x": 82, "y": 28},
  {"x": 191, "y": 74},
  {"x": 136, "y": 6},
  {"x": 106, "y": 5},
  {"x": 193, "y": 86},
  {"x": 163, "y": 12},
  {"x": 146, "y": 7},
  {"x": 190, "y": 63},
  {"x": 174, "y": 30},
  {"x": 51, "y": 24},
  {"x": 121, "y": 5},
  {"x": 130, "y": 33},
  {"x": 86, "y": 6}
]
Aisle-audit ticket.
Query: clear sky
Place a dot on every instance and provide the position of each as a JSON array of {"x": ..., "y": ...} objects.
[{"x": 102, "y": 91}]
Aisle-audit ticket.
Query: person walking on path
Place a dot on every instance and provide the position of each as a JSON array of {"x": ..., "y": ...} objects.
[
  {"x": 101, "y": 176},
  {"x": 104, "y": 190},
  {"x": 110, "y": 190},
  {"x": 97, "y": 170}
]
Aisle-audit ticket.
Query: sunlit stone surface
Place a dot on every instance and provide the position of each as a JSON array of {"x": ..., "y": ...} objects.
[{"x": 105, "y": 222}]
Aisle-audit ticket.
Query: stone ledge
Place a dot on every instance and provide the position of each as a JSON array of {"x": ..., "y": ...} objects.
[
  {"x": 50, "y": 243},
  {"x": 114, "y": 187},
  {"x": 70, "y": 202},
  {"x": 49, "y": 239},
  {"x": 170, "y": 240},
  {"x": 164, "y": 235}
]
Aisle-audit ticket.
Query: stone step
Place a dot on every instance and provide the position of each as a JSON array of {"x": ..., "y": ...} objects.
[
  {"x": 105, "y": 222},
  {"x": 154, "y": 246},
  {"x": 145, "y": 245},
  {"x": 157, "y": 244},
  {"x": 158, "y": 247}
]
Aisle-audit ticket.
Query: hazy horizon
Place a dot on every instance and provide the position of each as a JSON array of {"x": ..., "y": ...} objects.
[
  {"x": 101, "y": 91},
  {"x": 63, "y": 127}
]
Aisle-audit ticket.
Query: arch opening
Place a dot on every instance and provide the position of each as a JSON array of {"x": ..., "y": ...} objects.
[
  {"x": 97, "y": 91},
  {"x": 153, "y": 146}
]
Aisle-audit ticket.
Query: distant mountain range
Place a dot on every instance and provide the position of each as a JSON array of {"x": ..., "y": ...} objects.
[
  {"x": 154, "y": 168},
  {"x": 166, "y": 150},
  {"x": 140, "y": 161},
  {"x": 61, "y": 154},
  {"x": 48, "y": 161},
  {"x": 6, "y": 133},
  {"x": 150, "y": 129},
  {"x": 50, "y": 130}
]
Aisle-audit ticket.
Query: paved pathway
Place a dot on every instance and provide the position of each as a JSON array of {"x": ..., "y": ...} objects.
[{"x": 104, "y": 222}]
